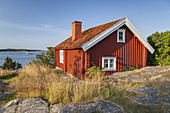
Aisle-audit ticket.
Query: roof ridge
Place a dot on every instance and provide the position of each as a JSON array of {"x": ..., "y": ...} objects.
[{"x": 104, "y": 23}]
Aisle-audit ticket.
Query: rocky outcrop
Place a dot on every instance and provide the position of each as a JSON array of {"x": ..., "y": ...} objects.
[
  {"x": 38, "y": 105},
  {"x": 4, "y": 90},
  {"x": 146, "y": 90},
  {"x": 26, "y": 105},
  {"x": 101, "y": 106},
  {"x": 145, "y": 100}
]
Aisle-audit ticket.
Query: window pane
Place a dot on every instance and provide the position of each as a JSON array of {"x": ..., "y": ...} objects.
[
  {"x": 120, "y": 37},
  {"x": 61, "y": 56},
  {"x": 105, "y": 61},
  {"x": 105, "y": 65},
  {"x": 120, "y": 33},
  {"x": 111, "y": 65},
  {"x": 111, "y": 60}
]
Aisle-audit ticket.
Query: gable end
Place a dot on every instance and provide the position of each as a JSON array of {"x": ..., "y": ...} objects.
[{"x": 113, "y": 28}]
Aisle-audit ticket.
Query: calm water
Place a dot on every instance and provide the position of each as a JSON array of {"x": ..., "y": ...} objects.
[{"x": 20, "y": 57}]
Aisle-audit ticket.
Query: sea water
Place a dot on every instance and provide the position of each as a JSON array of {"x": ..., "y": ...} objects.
[{"x": 20, "y": 57}]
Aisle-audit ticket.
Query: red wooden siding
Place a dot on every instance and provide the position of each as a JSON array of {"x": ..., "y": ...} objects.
[
  {"x": 73, "y": 62},
  {"x": 131, "y": 53},
  {"x": 57, "y": 59}
]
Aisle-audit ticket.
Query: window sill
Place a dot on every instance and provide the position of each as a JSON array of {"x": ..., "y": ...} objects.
[
  {"x": 109, "y": 69},
  {"x": 120, "y": 41}
]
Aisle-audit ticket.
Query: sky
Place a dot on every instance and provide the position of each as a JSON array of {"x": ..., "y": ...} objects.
[{"x": 37, "y": 24}]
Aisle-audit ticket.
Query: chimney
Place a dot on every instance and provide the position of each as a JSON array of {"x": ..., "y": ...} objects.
[{"x": 76, "y": 30}]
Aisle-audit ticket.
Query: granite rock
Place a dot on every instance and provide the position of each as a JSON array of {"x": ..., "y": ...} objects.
[
  {"x": 145, "y": 90},
  {"x": 147, "y": 100},
  {"x": 27, "y": 105},
  {"x": 100, "y": 105}
]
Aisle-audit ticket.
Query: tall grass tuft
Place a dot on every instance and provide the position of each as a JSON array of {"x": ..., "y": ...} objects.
[
  {"x": 35, "y": 80},
  {"x": 5, "y": 72}
]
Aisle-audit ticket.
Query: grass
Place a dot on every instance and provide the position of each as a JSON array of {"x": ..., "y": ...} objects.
[
  {"x": 161, "y": 82},
  {"x": 57, "y": 87},
  {"x": 7, "y": 74},
  {"x": 34, "y": 81}
]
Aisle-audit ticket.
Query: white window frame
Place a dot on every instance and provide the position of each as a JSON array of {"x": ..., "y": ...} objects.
[
  {"x": 121, "y": 30},
  {"x": 61, "y": 56},
  {"x": 114, "y": 63}
]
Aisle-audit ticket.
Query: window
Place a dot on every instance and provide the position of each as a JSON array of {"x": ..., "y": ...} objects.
[
  {"x": 109, "y": 63},
  {"x": 61, "y": 56},
  {"x": 121, "y": 35}
]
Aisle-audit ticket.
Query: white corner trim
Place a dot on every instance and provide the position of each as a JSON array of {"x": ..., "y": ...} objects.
[
  {"x": 113, "y": 28},
  {"x": 121, "y": 30}
]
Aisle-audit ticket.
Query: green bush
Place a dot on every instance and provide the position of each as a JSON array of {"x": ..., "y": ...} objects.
[
  {"x": 127, "y": 68},
  {"x": 161, "y": 43},
  {"x": 9, "y": 64},
  {"x": 94, "y": 73},
  {"x": 45, "y": 58}
]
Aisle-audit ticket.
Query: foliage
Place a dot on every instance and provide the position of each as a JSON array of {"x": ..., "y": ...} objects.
[
  {"x": 94, "y": 72},
  {"x": 45, "y": 58},
  {"x": 127, "y": 68},
  {"x": 9, "y": 64},
  {"x": 161, "y": 43}
]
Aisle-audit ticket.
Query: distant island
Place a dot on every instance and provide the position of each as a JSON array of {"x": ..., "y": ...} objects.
[{"x": 19, "y": 50}]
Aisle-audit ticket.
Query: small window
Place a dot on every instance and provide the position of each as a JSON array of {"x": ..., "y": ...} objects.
[
  {"x": 61, "y": 56},
  {"x": 121, "y": 35},
  {"x": 109, "y": 63}
]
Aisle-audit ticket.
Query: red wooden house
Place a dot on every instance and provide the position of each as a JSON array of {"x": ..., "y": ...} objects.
[{"x": 111, "y": 46}]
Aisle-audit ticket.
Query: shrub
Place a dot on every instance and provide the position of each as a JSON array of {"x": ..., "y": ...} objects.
[
  {"x": 161, "y": 43},
  {"x": 9, "y": 64},
  {"x": 45, "y": 58},
  {"x": 127, "y": 68},
  {"x": 94, "y": 73}
]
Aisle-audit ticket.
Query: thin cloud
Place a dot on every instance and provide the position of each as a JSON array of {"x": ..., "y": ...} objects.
[{"x": 40, "y": 27}]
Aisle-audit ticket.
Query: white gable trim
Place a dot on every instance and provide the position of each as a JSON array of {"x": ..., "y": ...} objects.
[
  {"x": 139, "y": 36},
  {"x": 113, "y": 28}
]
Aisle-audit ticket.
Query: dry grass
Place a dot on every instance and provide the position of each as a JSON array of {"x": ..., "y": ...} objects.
[
  {"x": 34, "y": 81},
  {"x": 7, "y": 74},
  {"x": 4, "y": 72},
  {"x": 162, "y": 82}
]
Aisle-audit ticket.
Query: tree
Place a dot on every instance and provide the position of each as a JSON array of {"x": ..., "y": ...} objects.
[
  {"x": 45, "y": 58},
  {"x": 161, "y": 43},
  {"x": 9, "y": 64}
]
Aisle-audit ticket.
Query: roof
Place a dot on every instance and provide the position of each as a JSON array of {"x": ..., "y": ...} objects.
[
  {"x": 87, "y": 35},
  {"x": 94, "y": 35}
]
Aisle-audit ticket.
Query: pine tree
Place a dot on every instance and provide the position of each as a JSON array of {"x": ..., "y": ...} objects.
[{"x": 9, "y": 64}]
